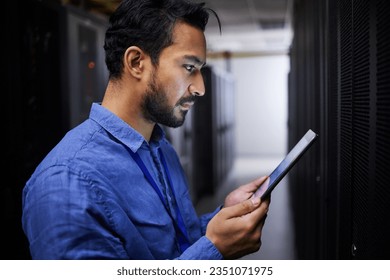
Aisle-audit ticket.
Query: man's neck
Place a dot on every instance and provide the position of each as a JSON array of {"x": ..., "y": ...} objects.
[{"x": 128, "y": 109}]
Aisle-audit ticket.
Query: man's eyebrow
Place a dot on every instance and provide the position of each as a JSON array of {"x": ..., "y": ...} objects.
[{"x": 196, "y": 60}]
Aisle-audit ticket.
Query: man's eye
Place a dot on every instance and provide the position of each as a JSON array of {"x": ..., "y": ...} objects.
[{"x": 189, "y": 68}]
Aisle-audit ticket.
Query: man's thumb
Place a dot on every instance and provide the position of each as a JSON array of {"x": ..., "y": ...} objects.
[{"x": 243, "y": 208}]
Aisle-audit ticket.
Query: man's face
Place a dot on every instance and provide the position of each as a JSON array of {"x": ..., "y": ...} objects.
[{"x": 176, "y": 81}]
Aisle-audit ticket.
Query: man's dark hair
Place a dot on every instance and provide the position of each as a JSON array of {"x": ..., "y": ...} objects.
[{"x": 148, "y": 24}]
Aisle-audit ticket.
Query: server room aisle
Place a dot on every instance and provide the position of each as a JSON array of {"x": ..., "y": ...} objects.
[{"x": 278, "y": 233}]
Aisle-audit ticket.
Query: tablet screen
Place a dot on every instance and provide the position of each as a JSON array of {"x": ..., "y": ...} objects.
[{"x": 287, "y": 163}]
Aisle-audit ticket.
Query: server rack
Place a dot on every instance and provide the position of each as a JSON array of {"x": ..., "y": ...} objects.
[
  {"x": 340, "y": 86},
  {"x": 213, "y": 132},
  {"x": 53, "y": 55}
]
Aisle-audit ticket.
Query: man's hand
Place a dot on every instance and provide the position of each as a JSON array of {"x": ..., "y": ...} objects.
[
  {"x": 243, "y": 192},
  {"x": 236, "y": 230}
]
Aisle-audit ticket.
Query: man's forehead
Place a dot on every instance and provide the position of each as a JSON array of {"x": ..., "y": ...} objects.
[
  {"x": 191, "y": 41},
  {"x": 183, "y": 32}
]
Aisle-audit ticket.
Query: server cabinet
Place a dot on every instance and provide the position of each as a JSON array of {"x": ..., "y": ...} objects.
[
  {"x": 340, "y": 66},
  {"x": 54, "y": 70},
  {"x": 213, "y": 132}
]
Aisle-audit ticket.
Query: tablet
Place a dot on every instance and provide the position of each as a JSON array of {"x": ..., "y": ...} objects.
[{"x": 286, "y": 164}]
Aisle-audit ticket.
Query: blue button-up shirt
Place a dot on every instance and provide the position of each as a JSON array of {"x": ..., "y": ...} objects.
[{"x": 88, "y": 199}]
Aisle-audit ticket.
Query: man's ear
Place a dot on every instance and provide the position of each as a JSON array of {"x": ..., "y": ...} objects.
[{"x": 134, "y": 60}]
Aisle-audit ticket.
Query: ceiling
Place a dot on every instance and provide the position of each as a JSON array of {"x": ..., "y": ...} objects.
[{"x": 248, "y": 26}]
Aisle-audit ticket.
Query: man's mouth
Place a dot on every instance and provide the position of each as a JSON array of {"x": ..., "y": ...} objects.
[{"x": 186, "y": 105}]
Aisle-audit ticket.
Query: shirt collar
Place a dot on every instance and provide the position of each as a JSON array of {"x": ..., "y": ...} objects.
[{"x": 122, "y": 130}]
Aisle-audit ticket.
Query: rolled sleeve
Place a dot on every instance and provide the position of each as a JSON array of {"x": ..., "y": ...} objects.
[{"x": 203, "y": 249}]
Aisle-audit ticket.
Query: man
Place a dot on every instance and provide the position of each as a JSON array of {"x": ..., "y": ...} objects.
[{"x": 113, "y": 188}]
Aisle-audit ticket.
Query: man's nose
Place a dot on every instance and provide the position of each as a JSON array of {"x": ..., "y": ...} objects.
[{"x": 197, "y": 87}]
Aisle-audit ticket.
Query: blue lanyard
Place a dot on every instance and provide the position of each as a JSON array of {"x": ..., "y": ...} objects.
[{"x": 181, "y": 232}]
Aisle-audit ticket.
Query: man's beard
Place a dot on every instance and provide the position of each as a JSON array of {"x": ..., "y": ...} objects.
[{"x": 156, "y": 109}]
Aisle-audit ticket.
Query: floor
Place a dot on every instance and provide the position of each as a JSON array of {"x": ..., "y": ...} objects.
[{"x": 278, "y": 233}]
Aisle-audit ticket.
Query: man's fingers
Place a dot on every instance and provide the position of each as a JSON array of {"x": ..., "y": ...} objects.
[
  {"x": 242, "y": 208},
  {"x": 255, "y": 184},
  {"x": 260, "y": 180}
]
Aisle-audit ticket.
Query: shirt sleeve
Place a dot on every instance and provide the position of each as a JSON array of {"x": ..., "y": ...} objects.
[
  {"x": 205, "y": 219},
  {"x": 203, "y": 249},
  {"x": 62, "y": 209}
]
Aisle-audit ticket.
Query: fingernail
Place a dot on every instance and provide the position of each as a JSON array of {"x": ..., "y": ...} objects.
[{"x": 256, "y": 201}]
